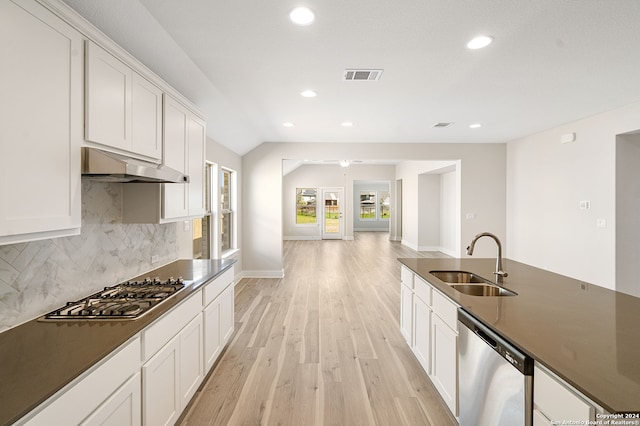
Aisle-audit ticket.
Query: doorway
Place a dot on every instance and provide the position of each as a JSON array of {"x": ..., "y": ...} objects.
[{"x": 332, "y": 215}]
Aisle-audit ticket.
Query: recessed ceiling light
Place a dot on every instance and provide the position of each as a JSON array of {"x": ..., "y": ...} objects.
[
  {"x": 308, "y": 94},
  {"x": 346, "y": 124},
  {"x": 480, "y": 42},
  {"x": 302, "y": 16},
  {"x": 288, "y": 124},
  {"x": 475, "y": 125}
]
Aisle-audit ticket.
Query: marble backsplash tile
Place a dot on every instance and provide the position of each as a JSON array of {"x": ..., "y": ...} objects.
[{"x": 40, "y": 276}]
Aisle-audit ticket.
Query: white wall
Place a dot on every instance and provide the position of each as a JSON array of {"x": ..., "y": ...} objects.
[
  {"x": 428, "y": 212},
  {"x": 482, "y": 176},
  {"x": 546, "y": 181},
  {"x": 433, "y": 190},
  {"x": 628, "y": 213},
  {"x": 449, "y": 212}
]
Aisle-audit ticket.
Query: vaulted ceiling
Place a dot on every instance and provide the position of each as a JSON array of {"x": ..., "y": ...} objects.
[{"x": 244, "y": 64}]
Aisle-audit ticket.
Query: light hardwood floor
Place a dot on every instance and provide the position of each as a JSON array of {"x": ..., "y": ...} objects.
[{"x": 321, "y": 346}]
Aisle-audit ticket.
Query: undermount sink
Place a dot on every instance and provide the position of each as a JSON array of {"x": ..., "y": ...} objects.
[
  {"x": 458, "y": 277},
  {"x": 471, "y": 284},
  {"x": 482, "y": 290}
]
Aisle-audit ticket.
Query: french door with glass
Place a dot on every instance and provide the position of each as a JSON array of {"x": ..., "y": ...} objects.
[{"x": 332, "y": 217}]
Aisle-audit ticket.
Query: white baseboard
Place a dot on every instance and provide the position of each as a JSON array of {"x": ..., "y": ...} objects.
[
  {"x": 348, "y": 238},
  {"x": 410, "y": 245},
  {"x": 262, "y": 274},
  {"x": 301, "y": 238},
  {"x": 449, "y": 252},
  {"x": 446, "y": 251},
  {"x": 370, "y": 230},
  {"x": 429, "y": 248},
  {"x": 395, "y": 238}
]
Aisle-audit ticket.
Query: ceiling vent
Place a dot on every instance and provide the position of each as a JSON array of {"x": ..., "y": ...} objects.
[
  {"x": 362, "y": 75},
  {"x": 437, "y": 125}
]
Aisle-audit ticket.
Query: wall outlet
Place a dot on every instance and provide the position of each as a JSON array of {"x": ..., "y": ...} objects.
[
  {"x": 568, "y": 138},
  {"x": 601, "y": 223},
  {"x": 470, "y": 216},
  {"x": 185, "y": 226},
  {"x": 585, "y": 205},
  {"x": 154, "y": 259}
]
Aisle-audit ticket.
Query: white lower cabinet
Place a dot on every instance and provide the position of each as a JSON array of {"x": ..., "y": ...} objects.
[
  {"x": 406, "y": 308},
  {"x": 172, "y": 375},
  {"x": 101, "y": 393},
  {"x": 151, "y": 379},
  {"x": 121, "y": 409},
  {"x": 444, "y": 373},
  {"x": 226, "y": 313},
  {"x": 428, "y": 321},
  {"x": 422, "y": 334},
  {"x": 555, "y": 401},
  {"x": 212, "y": 334},
  {"x": 191, "y": 360},
  {"x": 218, "y": 317},
  {"x": 160, "y": 384}
]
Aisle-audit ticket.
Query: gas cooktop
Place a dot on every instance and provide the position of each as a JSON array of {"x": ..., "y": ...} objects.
[{"x": 125, "y": 301}]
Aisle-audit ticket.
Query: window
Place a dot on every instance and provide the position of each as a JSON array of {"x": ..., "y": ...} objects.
[
  {"x": 227, "y": 213},
  {"x": 375, "y": 205},
  {"x": 367, "y": 205},
  {"x": 306, "y": 205},
  {"x": 201, "y": 227}
]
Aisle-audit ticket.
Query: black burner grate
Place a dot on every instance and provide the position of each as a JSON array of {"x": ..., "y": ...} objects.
[{"x": 128, "y": 300}]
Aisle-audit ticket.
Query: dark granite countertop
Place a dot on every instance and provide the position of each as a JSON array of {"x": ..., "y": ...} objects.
[
  {"x": 39, "y": 358},
  {"x": 586, "y": 334}
]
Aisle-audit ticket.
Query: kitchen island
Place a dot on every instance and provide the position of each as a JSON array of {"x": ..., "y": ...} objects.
[
  {"x": 587, "y": 335},
  {"x": 39, "y": 358}
]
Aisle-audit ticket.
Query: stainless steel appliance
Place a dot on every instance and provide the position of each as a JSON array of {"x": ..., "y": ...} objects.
[
  {"x": 124, "y": 301},
  {"x": 495, "y": 379},
  {"x": 111, "y": 167}
]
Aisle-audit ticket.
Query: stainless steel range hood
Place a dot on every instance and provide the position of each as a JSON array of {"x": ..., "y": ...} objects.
[{"x": 110, "y": 167}]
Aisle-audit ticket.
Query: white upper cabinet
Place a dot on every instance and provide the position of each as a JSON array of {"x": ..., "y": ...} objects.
[
  {"x": 146, "y": 123},
  {"x": 184, "y": 150},
  {"x": 195, "y": 165},
  {"x": 41, "y": 131},
  {"x": 175, "y": 153},
  {"x": 123, "y": 109}
]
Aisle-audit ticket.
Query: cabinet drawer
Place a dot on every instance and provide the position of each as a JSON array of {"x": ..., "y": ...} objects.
[
  {"x": 422, "y": 290},
  {"x": 406, "y": 276},
  {"x": 445, "y": 309},
  {"x": 539, "y": 419},
  {"x": 556, "y": 401},
  {"x": 217, "y": 286},
  {"x": 76, "y": 402},
  {"x": 167, "y": 326}
]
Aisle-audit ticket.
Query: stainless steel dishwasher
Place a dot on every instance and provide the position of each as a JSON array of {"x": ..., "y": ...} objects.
[{"x": 495, "y": 379}]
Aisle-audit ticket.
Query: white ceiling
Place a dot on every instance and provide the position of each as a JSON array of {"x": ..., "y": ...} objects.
[{"x": 244, "y": 64}]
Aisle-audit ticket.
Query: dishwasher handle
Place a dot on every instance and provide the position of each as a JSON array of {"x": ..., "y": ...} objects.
[
  {"x": 484, "y": 336},
  {"x": 516, "y": 357}
]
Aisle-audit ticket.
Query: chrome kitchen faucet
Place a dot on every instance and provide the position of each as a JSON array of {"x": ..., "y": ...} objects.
[{"x": 500, "y": 274}]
